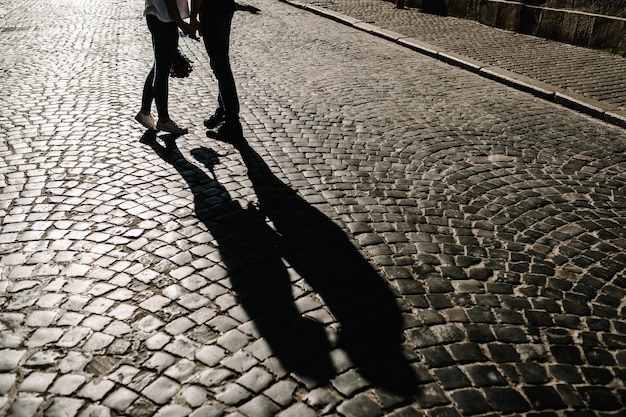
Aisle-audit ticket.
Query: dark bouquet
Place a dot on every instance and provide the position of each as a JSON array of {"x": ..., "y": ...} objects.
[{"x": 181, "y": 68}]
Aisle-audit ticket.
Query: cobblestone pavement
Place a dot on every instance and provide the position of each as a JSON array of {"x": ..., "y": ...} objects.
[
  {"x": 387, "y": 244},
  {"x": 587, "y": 80}
]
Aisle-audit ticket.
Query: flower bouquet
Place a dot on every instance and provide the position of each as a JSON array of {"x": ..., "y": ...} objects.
[{"x": 181, "y": 68}]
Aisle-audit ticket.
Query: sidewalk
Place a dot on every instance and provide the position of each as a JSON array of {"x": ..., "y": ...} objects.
[{"x": 590, "y": 81}]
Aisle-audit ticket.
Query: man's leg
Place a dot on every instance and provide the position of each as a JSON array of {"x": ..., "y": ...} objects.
[{"x": 216, "y": 34}]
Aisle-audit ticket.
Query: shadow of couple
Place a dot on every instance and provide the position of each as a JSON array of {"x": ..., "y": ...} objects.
[{"x": 254, "y": 253}]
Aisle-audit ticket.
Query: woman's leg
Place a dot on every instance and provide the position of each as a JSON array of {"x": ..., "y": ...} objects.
[
  {"x": 148, "y": 93},
  {"x": 165, "y": 43}
]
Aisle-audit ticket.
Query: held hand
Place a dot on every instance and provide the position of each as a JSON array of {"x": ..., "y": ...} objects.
[
  {"x": 189, "y": 30},
  {"x": 195, "y": 26}
]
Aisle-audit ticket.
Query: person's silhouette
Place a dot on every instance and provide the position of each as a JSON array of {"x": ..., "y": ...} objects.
[
  {"x": 258, "y": 276},
  {"x": 371, "y": 322}
]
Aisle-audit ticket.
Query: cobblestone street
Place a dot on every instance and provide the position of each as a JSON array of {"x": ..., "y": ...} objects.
[{"x": 399, "y": 237}]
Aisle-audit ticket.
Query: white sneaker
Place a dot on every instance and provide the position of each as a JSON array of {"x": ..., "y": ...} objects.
[
  {"x": 146, "y": 121},
  {"x": 171, "y": 127}
]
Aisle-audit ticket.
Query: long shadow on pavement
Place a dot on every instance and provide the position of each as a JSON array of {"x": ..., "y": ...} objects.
[
  {"x": 370, "y": 320},
  {"x": 249, "y": 250},
  {"x": 371, "y": 323}
]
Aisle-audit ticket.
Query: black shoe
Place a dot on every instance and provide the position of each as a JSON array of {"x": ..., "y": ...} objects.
[
  {"x": 215, "y": 120},
  {"x": 230, "y": 130}
]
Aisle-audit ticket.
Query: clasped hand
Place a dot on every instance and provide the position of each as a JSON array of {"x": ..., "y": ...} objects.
[{"x": 191, "y": 29}]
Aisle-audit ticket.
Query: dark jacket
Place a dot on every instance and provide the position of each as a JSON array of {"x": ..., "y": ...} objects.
[{"x": 213, "y": 6}]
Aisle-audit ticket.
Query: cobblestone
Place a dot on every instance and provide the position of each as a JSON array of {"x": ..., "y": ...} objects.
[{"x": 455, "y": 245}]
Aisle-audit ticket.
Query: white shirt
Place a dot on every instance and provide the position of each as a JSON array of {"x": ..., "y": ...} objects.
[{"x": 159, "y": 9}]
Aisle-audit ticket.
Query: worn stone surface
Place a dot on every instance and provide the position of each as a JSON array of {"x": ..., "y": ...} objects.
[
  {"x": 588, "y": 78},
  {"x": 401, "y": 237}
]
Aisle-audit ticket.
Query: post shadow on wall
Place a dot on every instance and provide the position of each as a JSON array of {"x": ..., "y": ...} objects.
[
  {"x": 247, "y": 8},
  {"x": 371, "y": 324},
  {"x": 257, "y": 273}
]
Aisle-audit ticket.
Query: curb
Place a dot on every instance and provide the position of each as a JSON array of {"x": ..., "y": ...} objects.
[{"x": 606, "y": 112}]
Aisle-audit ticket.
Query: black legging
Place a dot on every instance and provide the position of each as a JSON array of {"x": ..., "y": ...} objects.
[
  {"x": 165, "y": 44},
  {"x": 216, "y": 26}
]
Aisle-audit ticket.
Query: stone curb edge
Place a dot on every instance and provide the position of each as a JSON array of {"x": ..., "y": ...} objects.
[{"x": 603, "y": 111}]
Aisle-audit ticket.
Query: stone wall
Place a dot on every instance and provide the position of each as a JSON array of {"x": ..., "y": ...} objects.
[{"x": 598, "y": 24}]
